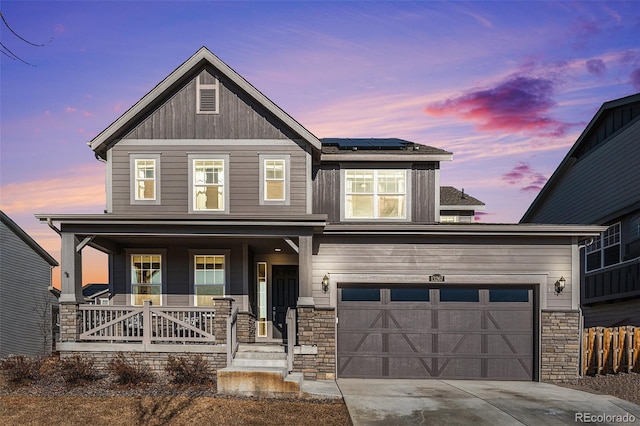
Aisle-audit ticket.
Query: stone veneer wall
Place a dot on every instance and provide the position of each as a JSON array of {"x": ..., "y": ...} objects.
[
  {"x": 560, "y": 346},
  {"x": 69, "y": 322},
  {"x": 154, "y": 361},
  {"x": 246, "y": 327},
  {"x": 316, "y": 328}
]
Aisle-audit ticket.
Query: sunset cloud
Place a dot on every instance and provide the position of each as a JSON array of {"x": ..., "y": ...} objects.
[
  {"x": 517, "y": 104},
  {"x": 596, "y": 67},
  {"x": 525, "y": 176},
  {"x": 635, "y": 78}
]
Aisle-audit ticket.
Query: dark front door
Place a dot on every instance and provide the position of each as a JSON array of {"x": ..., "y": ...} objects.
[{"x": 284, "y": 294}]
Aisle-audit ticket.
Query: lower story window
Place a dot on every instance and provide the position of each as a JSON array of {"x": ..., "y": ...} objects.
[
  {"x": 209, "y": 278},
  {"x": 146, "y": 278}
]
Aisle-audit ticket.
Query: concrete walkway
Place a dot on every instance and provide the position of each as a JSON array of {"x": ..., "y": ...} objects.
[{"x": 466, "y": 402}]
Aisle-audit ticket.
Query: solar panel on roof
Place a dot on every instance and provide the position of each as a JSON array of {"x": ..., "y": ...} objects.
[{"x": 368, "y": 144}]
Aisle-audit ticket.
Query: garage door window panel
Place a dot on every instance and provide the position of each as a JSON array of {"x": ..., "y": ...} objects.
[
  {"x": 459, "y": 295},
  {"x": 409, "y": 294},
  {"x": 508, "y": 295},
  {"x": 360, "y": 294}
]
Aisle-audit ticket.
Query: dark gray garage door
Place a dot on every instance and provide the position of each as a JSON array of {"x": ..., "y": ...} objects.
[{"x": 448, "y": 333}]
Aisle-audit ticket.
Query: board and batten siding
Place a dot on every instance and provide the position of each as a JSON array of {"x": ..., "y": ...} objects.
[
  {"x": 239, "y": 116},
  {"x": 482, "y": 260},
  {"x": 602, "y": 182},
  {"x": 327, "y": 182},
  {"x": 244, "y": 177},
  {"x": 24, "y": 280}
]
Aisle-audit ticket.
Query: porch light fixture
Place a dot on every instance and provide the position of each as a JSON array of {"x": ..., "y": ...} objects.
[
  {"x": 325, "y": 283},
  {"x": 560, "y": 285}
]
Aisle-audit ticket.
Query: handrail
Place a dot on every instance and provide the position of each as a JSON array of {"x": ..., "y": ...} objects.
[
  {"x": 292, "y": 332},
  {"x": 232, "y": 335},
  {"x": 147, "y": 324}
]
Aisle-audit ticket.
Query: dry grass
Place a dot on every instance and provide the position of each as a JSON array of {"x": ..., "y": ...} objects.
[{"x": 166, "y": 410}]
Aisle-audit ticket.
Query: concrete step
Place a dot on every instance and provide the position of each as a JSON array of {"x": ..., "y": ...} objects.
[
  {"x": 261, "y": 355},
  {"x": 253, "y": 362},
  {"x": 258, "y": 381},
  {"x": 261, "y": 347}
]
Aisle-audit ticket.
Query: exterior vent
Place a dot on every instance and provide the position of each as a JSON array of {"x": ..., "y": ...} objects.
[
  {"x": 207, "y": 95},
  {"x": 208, "y": 100}
]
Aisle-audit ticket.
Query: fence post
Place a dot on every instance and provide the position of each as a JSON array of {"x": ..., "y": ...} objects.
[{"x": 146, "y": 322}]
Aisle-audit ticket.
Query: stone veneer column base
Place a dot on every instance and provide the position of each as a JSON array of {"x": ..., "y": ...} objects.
[
  {"x": 316, "y": 329},
  {"x": 560, "y": 346}
]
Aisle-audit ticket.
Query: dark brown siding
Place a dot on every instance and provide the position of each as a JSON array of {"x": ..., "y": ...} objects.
[
  {"x": 326, "y": 191},
  {"x": 423, "y": 197},
  {"x": 239, "y": 117},
  {"x": 243, "y": 185}
]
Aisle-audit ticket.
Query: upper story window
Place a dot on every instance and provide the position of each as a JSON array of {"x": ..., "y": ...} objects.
[
  {"x": 145, "y": 178},
  {"x": 375, "y": 194},
  {"x": 605, "y": 249},
  {"x": 207, "y": 94},
  {"x": 208, "y": 175},
  {"x": 146, "y": 278},
  {"x": 209, "y": 278},
  {"x": 274, "y": 172}
]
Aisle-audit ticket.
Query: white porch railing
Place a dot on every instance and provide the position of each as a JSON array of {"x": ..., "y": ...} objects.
[
  {"x": 232, "y": 335},
  {"x": 147, "y": 324},
  {"x": 291, "y": 336}
]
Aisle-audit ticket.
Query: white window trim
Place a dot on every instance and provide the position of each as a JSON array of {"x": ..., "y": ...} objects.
[
  {"x": 199, "y": 87},
  {"x": 225, "y": 185},
  {"x": 602, "y": 248},
  {"x": 163, "y": 268},
  {"x": 133, "y": 157},
  {"x": 287, "y": 179},
  {"x": 226, "y": 253},
  {"x": 407, "y": 196}
]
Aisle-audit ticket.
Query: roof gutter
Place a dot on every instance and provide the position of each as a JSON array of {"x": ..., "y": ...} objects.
[{"x": 52, "y": 226}]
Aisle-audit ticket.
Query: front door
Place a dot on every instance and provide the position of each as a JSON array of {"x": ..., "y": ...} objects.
[{"x": 284, "y": 295}]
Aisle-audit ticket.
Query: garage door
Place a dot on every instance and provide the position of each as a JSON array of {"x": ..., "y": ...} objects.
[{"x": 448, "y": 333}]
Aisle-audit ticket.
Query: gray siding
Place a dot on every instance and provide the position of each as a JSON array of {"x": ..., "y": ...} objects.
[
  {"x": 326, "y": 190},
  {"x": 601, "y": 183},
  {"x": 24, "y": 279},
  {"x": 239, "y": 117},
  {"x": 414, "y": 259},
  {"x": 244, "y": 179}
]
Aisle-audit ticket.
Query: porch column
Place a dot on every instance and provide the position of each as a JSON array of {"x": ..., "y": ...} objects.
[
  {"x": 71, "y": 270},
  {"x": 305, "y": 248}
]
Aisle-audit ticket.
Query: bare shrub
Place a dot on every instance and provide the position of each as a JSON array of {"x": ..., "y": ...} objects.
[
  {"x": 192, "y": 370},
  {"x": 20, "y": 369},
  {"x": 78, "y": 370},
  {"x": 130, "y": 370}
]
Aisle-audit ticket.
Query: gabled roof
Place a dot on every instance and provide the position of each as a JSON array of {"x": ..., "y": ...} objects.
[
  {"x": 569, "y": 159},
  {"x": 380, "y": 149},
  {"x": 100, "y": 143},
  {"x": 92, "y": 290},
  {"x": 27, "y": 239},
  {"x": 453, "y": 198}
]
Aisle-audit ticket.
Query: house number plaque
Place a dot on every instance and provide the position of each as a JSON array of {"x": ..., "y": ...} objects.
[{"x": 436, "y": 278}]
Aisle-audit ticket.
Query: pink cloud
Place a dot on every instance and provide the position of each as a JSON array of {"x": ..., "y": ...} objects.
[
  {"x": 523, "y": 174},
  {"x": 71, "y": 109},
  {"x": 635, "y": 78},
  {"x": 518, "y": 104},
  {"x": 596, "y": 67}
]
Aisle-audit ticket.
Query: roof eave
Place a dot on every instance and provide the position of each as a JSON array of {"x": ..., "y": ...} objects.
[
  {"x": 99, "y": 143},
  {"x": 386, "y": 157}
]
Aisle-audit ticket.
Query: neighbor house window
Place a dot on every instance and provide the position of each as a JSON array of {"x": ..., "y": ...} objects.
[
  {"x": 375, "y": 194},
  {"x": 209, "y": 278},
  {"x": 145, "y": 178},
  {"x": 208, "y": 176},
  {"x": 207, "y": 94},
  {"x": 146, "y": 278},
  {"x": 605, "y": 249},
  {"x": 274, "y": 172},
  {"x": 262, "y": 299}
]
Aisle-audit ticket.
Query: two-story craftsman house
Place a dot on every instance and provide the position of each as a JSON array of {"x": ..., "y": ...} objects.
[{"x": 228, "y": 222}]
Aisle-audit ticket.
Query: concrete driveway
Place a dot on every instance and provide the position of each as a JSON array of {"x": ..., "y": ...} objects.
[{"x": 461, "y": 402}]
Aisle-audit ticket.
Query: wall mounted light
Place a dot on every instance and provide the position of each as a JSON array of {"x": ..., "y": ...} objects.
[
  {"x": 560, "y": 285},
  {"x": 325, "y": 283}
]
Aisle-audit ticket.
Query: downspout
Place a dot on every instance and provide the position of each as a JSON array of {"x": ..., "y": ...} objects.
[{"x": 52, "y": 226}]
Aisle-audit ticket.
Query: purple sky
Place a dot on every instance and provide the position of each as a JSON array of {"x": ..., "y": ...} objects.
[{"x": 506, "y": 86}]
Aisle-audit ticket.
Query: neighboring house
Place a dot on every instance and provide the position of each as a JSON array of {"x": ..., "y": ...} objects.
[
  {"x": 598, "y": 181},
  {"x": 227, "y": 221},
  {"x": 25, "y": 303},
  {"x": 96, "y": 294}
]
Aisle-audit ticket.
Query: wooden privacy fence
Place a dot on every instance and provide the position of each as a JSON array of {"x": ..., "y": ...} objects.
[{"x": 610, "y": 350}]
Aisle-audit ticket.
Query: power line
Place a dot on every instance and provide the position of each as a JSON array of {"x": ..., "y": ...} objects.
[
  {"x": 18, "y": 35},
  {"x": 13, "y": 55}
]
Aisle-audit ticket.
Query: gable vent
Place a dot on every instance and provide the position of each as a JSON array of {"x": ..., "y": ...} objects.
[{"x": 207, "y": 97}]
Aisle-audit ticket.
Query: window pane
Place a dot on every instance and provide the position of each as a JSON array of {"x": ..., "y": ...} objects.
[
  {"x": 359, "y": 206},
  {"x": 391, "y": 206},
  {"x": 209, "y": 198},
  {"x": 459, "y": 295},
  {"x": 359, "y": 181},
  {"x": 361, "y": 294},
  {"x": 509, "y": 295},
  {"x": 612, "y": 255},
  {"x": 146, "y": 190},
  {"x": 275, "y": 190},
  {"x": 409, "y": 294},
  {"x": 391, "y": 181},
  {"x": 146, "y": 292},
  {"x": 593, "y": 261}
]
